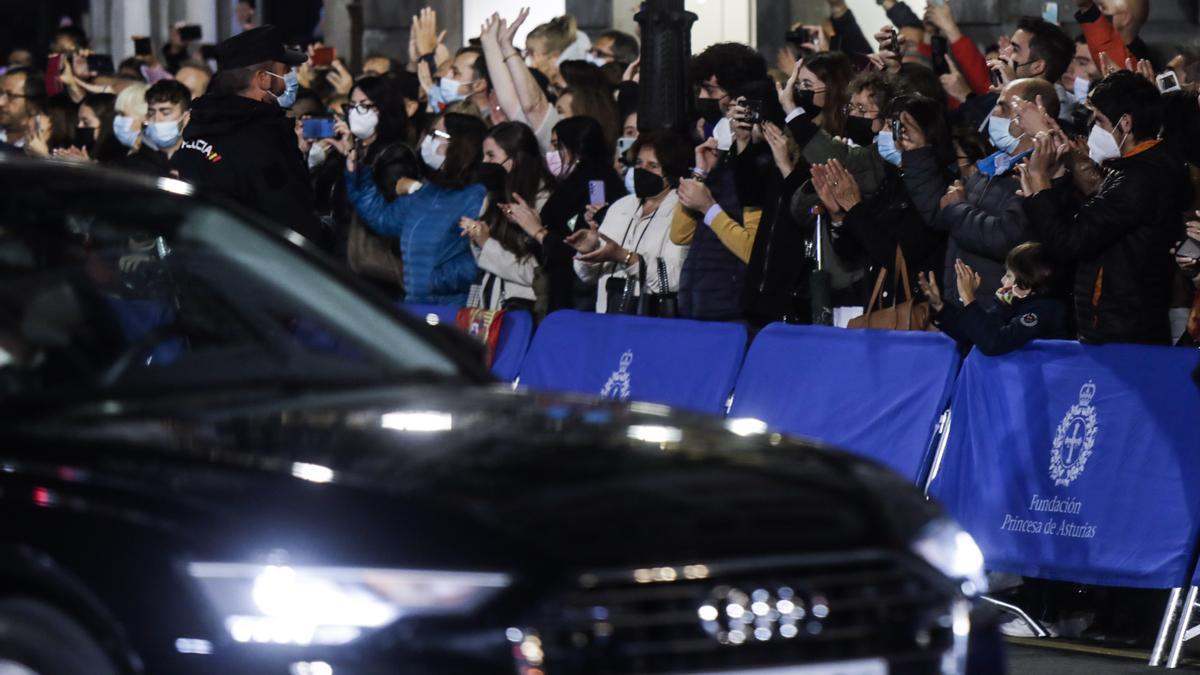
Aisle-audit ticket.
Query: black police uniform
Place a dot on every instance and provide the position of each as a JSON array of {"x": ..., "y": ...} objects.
[
  {"x": 246, "y": 150},
  {"x": 999, "y": 328}
]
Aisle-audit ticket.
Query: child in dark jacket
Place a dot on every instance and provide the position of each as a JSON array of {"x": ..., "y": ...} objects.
[{"x": 1023, "y": 311}]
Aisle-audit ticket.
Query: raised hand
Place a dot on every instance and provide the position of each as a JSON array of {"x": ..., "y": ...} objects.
[
  {"x": 424, "y": 25},
  {"x": 823, "y": 185},
  {"x": 913, "y": 137},
  {"x": 787, "y": 92},
  {"x": 954, "y": 83},
  {"x": 706, "y": 155},
  {"x": 520, "y": 213},
  {"x": 929, "y": 287},
  {"x": 695, "y": 195},
  {"x": 778, "y": 140},
  {"x": 341, "y": 79},
  {"x": 844, "y": 186},
  {"x": 968, "y": 282},
  {"x": 509, "y": 33}
]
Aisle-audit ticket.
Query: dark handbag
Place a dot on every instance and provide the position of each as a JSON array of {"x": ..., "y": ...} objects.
[
  {"x": 373, "y": 255},
  {"x": 623, "y": 300},
  {"x": 909, "y": 315}
]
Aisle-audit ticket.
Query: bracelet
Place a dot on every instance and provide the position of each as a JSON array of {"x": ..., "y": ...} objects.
[
  {"x": 511, "y": 55},
  {"x": 544, "y": 231},
  {"x": 628, "y": 258},
  {"x": 698, "y": 173}
]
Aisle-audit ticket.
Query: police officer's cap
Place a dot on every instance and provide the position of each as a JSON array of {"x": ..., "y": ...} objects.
[{"x": 257, "y": 45}]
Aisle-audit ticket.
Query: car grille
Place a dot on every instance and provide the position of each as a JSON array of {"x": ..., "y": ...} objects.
[{"x": 769, "y": 613}]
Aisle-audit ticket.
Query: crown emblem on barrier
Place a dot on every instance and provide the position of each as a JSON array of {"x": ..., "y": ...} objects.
[
  {"x": 1075, "y": 438},
  {"x": 618, "y": 385}
]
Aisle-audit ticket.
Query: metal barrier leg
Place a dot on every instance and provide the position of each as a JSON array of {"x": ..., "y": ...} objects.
[
  {"x": 944, "y": 438},
  {"x": 1038, "y": 630},
  {"x": 1181, "y": 628},
  {"x": 1164, "y": 629}
]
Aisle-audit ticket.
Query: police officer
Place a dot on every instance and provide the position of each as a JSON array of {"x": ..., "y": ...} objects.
[
  {"x": 240, "y": 142},
  {"x": 1024, "y": 310}
]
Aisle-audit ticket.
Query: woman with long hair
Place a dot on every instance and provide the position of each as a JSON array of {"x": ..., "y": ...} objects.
[{"x": 513, "y": 167}]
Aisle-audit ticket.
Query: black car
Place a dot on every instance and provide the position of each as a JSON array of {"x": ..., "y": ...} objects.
[{"x": 220, "y": 454}]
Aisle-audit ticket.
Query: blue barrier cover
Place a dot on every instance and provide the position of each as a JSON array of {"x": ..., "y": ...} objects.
[
  {"x": 515, "y": 334},
  {"x": 1078, "y": 463},
  {"x": 686, "y": 364},
  {"x": 878, "y": 394}
]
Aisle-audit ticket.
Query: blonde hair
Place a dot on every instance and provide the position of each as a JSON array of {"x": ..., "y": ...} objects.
[
  {"x": 131, "y": 102},
  {"x": 558, "y": 34}
]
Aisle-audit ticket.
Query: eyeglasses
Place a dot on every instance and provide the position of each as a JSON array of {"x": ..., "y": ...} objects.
[
  {"x": 9, "y": 94},
  {"x": 859, "y": 111},
  {"x": 361, "y": 108}
]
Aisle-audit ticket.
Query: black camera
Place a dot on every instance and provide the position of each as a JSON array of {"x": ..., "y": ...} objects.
[{"x": 754, "y": 110}]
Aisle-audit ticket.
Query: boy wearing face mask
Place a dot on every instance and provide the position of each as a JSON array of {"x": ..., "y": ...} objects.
[
  {"x": 1120, "y": 238},
  {"x": 1024, "y": 310},
  {"x": 167, "y": 104},
  {"x": 240, "y": 143}
]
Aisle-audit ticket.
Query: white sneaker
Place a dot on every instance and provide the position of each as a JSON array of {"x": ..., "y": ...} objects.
[{"x": 1018, "y": 627}]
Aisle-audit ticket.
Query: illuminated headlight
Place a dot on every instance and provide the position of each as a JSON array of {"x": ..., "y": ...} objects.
[
  {"x": 332, "y": 605},
  {"x": 953, "y": 552}
]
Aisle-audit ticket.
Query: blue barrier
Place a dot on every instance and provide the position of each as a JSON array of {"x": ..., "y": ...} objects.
[
  {"x": 515, "y": 335},
  {"x": 878, "y": 394},
  {"x": 686, "y": 364},
  {"x": 1078, "y": 463}
]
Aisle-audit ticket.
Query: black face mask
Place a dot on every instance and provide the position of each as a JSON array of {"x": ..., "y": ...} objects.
[
  {"x": 709, "y": 109},
  {"x": 85, "y": 137},
  {"x": 646, "y": 184},
  {"x": 859, "y": 130},
  {"x": 494, "y": 178},
  {"x": 805, "y": 99}
]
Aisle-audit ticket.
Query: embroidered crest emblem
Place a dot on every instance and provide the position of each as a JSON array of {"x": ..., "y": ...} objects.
[
  {"x": 1029, "y": 320},
  {"x": 1074, "y": 439},
  {"x": 618, "y": 386}
]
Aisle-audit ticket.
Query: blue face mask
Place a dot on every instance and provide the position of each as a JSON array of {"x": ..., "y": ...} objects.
[
  {"x": 998, "y": 131},
  {"x": 1000, "y": 163},
  {"x": 162, "y": 135},
  {"x": 886, "y": 145},
  {"x": 629, "y": 187},
  {"x": 291, "y": 88},
  {"x": 124, "y": 131},
  {"x": 449, "y": 90}
]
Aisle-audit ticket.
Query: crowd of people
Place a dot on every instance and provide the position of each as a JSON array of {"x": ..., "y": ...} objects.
[{"x": 1041, "y": 187}]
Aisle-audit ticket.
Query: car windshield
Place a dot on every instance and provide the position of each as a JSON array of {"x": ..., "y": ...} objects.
[{"x": 125, "y": 289}]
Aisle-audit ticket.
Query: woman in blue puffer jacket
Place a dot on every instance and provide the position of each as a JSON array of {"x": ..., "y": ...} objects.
[{"x": 438, "y": 266}]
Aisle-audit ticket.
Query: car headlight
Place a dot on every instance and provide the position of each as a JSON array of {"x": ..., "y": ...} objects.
[
  {"x": 332, "y": 605},
  {"x": 953, "y": 552}
]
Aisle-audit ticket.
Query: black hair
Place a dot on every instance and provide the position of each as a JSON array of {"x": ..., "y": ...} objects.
[
  {"x": 1181, "y": 124},
  {"x": 463, "y": 151},
  {"x": 584, "y": 139},
  {"x": 1048, "y": 43},
  {"x": 393, "y": 122},
  {"x": 1126, "y": 93},
  {"x": 625, "y": 47},
  {"x": 1033, "y": 267},
  {"x": 881, "y": 86},
  {"x": 529, "y": 174},
  {"x": 64, "y": 118},
  {"x": 77, "y": 35},
  {"x": 732, "y": 63},
  {"x": 479, "y": 69},
  {"x": 107, "y": 148},
  {"x": 131, "y": 67},
  {"x": 975, "y": 145},
  {"x": 169, "y": 91},
  {"x": 393, "y": 162},
  {"x": 393, "y": 65},
  {"x": 35, "y": 84},
  {"x": 673, "y": 153},
  {"x": 835, "y": 71},
  {"x": 920, "y": 80},
  {"x": 930, "y": 114}
]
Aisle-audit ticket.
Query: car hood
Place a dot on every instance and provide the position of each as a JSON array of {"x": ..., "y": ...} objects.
[{"x": 447, "y": 477}]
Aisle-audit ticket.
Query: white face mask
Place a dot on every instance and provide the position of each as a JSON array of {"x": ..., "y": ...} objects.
[
  {"x": 1082, "y": 85},
  {"x": 363, "y": 125},
  {"x": 595, "y": 60},
  {"x": 316, "y": 156},
  {"x": 429, "y": 152},
  {"x": 723, "y": 132},
  {"x": 1102, "y": 145},
  {"x": 554, "y": 162}
]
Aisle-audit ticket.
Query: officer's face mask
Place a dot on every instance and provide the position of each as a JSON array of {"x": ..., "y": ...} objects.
[{"x": 291, "y": 88}]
